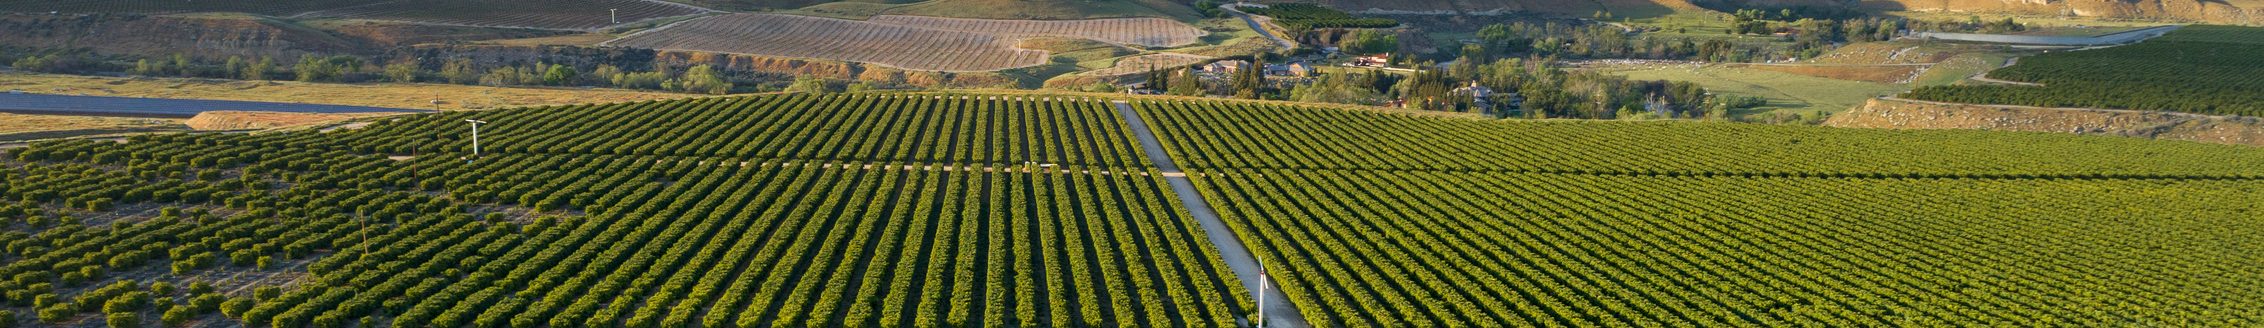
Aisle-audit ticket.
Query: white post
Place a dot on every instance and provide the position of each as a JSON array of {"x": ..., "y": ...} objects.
[
  {"x": 1262, "y": 293},
  {"x": 616, "y": 13},
  {"x": 476, "y": 136}
]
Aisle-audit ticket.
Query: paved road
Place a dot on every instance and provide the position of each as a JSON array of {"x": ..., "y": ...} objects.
[
  {"x": 159, "y": 107},
  {"x": 2113, "y": 38},
  {"x": 1279, "y": 312},
  {"x": 1261, "y": 28}
]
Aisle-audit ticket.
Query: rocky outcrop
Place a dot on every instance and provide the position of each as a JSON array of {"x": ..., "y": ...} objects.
[{"x": 1892, "y": 113}]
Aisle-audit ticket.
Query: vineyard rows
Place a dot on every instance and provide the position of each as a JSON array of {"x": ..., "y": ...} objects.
[
  {"x": 1366, "y": 249},
  {"x": 1274, "y": 136},
  {"x": 549, "y": 14},
  {"x": 543, "y": 233},
  {"x": 924, "y": 210},
  {"x": 836, "y": 39},
  {"x": 917, "y": 129},
  {"x": 1147, "y": 31},
  {"x": 2195, "y": 69}
]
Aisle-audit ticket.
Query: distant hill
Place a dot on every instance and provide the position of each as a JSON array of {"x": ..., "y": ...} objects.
[
  {"x": 2246, "y": 12},
  {"x": 1583, "y": 8}
]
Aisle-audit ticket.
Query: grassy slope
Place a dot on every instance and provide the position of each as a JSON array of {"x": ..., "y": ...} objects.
[{"x": 1785, "y": 92}]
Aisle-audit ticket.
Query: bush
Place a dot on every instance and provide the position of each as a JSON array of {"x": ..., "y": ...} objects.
[
  {"x": 161, "y": 288},
  {"x": 178, "y": 316},
  {"x": 57, "y": 313},
  {"x": 264, "y": 293},
  {"x": 123, "y": 320},
  {"x": 235, "y": 307}
]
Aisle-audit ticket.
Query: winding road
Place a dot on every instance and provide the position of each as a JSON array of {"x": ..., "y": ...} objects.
[
  {"x": 1261, "y": 28},
  {"x": 1279, "y": 312}
]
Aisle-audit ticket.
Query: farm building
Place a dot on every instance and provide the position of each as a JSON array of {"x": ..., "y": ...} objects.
[
  {"x": 1224, "y": 66},
  {"x": 1290, "y": 70}
]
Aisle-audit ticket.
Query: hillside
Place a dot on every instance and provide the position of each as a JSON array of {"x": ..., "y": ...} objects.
[
  {"x": 2243, "y": 12},
  {"x": 207, "y": 35},
  {"x": 974, "y": 209},
  {"x": 1045, "y": 9},
  {"x": 1890, "y": 113}
]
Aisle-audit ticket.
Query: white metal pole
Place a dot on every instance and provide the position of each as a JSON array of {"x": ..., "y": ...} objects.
[
  {"x": 616, "y": 13},
  {"x": 475, "y": 135},
  {"x": 1262, "y": 293}
]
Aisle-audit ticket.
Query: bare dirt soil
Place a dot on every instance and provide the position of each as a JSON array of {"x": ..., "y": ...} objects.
[
  {"x": 243, "y": 120},
  {"x": 1891, "y": 113}
]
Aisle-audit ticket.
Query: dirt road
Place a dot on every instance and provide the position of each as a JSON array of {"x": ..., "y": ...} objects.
[
  {"x": 1279, "y": 312},
  {"x": 1261, "y": 28}
]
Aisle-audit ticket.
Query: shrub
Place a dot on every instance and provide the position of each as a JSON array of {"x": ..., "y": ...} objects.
[{"x": 123, "y": 320}]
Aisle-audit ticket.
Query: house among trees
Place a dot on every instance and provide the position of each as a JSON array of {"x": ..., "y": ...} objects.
[
  {"x": 1291, "y": 69},
  {"x": 1225, "y": 66}
]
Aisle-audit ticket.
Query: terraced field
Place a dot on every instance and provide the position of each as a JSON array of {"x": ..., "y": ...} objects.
[
  {"x": 1146, "y": 32},
  {"x": 837, "y": 39}
]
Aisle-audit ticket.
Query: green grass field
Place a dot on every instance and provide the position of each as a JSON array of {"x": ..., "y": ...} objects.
[
  {"x": 1960, "y": 67},
  {"x": 1787, "y": 93}
]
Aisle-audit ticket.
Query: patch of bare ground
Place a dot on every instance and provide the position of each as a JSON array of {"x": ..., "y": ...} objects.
[
  {"x": 25, "y": 124},
  {"x": 244, "y": 120},
  {"x": 1143, "y": 63},
  {"x": 1894, "y": 113}
]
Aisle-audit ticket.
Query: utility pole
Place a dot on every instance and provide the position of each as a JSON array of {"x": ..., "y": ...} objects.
[{"x": 476, "y": 136}]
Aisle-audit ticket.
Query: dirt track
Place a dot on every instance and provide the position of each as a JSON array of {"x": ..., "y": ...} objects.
[
  {"x": 1279, "y": 311},
  {"x": 1896, "y": 113}
]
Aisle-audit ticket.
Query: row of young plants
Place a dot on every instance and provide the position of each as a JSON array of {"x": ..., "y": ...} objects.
[
  {"x": 987, "y": 130},
  {"x": 1205, "y": 134},
  {"x": 561, "y": 236},
  {"x": 1364, "y": 248}
]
